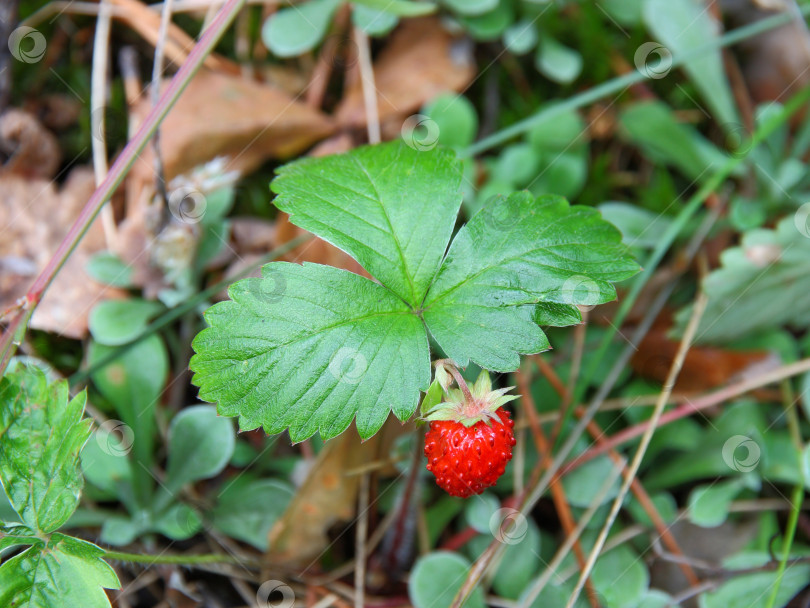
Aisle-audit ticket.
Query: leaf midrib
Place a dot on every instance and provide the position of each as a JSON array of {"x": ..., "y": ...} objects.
[
  {"x": 316, "y": 333},
  {"x": 412, "y": 301}
]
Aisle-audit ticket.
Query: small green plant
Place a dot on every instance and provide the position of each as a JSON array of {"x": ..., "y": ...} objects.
[
  {"x": 308, "y": 347},
  {"x": 41, "y": 435}
]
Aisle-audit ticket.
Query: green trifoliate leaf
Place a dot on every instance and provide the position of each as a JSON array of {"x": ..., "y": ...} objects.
[
  {"x": 65, "y": 572},
  {"x": 513, "y": 254},
  {"x": 390, "y": 207},
  {"x": 310, "y": 347},
  {"x": 41, "y": 435}
]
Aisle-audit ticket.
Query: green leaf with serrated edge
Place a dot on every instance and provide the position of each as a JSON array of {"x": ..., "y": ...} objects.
[
  {"x": 41, "y": 435},
  {"x": 519, "y": 251},
  {"x": 390, "y": 207},
  {"x": 551, "y": 314},
  {"x": 16, "y": 535},
  {"x": 741, "y": 292},
  {"x": 310, "y": 347},
  {"x": 66, "y": 572}
]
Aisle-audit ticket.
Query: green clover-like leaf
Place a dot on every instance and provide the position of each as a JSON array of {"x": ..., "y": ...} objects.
[
  {"x": 41, "y": 435},
  {"x": 517, "y": 252},
  {"x": 390, "y": 207},
  {"x": 310, "y": 348},
  {"x": 65, "y": 572},
  {"x": 331, "y": 346}
]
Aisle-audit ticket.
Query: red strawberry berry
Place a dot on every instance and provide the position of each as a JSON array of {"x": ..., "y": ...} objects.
[{"x": 468, "y": 459}]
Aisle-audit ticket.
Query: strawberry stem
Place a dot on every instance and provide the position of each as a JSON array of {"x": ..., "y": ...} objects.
[{"x": 450, "y": 366}]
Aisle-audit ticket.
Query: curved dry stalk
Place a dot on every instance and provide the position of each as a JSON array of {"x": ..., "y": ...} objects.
[
  {"x": 675, "y": 369},
  {"x": 17, "y": 325},
  {"x": 98, "y": 93},
  {"x": 572, "y": 538}
]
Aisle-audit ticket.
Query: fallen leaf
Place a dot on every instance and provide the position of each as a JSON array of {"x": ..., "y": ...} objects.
[
  {"x": 328, "y": 495},
  {"x": 704, "y": 368},
  {"x": 35, "y": 217},
  {"x": 230, "y": 116},
  {"x": 420, "y": 60},
  {"x": 178, "y": 43},
  {"x": 29, "y": 149},
  {"x": 773, "y": 63}
]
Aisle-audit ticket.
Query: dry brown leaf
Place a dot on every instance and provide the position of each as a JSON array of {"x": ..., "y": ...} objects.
[
  {"x": 705, "y": 367},
  {"x": 30, "y": 149},
  {"x": 178, "y": 44},
  {"x": 328, "y": 495},
  {"x": 220, "y": 115},
  {"x": 421, "y": 60},
  {"x": 315, "y": 250},
  {"x": 35, "y": 217},
  {"x": 774, "y": 63}
]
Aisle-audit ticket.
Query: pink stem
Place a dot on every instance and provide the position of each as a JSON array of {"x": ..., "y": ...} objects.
[{"x": 118, "y": 171}]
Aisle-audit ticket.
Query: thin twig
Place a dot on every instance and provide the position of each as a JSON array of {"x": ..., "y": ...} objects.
[
  {"x": 369, "y": 86},
  {"x": 16, "y": 328},
  {"x": 680, "y": 357},
  {"x": 571, "y": 539},
  {"x": 98, "y": 95},
  {"x": 544, "y": 449},
  {"x": 360, "y": 543},
  {"x": 636, "y": 486},
  {"x": 157, "y": 77},
  {"x": 692, "y": 407}
]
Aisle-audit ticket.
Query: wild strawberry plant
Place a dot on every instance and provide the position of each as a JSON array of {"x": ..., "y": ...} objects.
[
  {"x": 309, "y": 348},
  {"x": 41, "y": 435}
]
